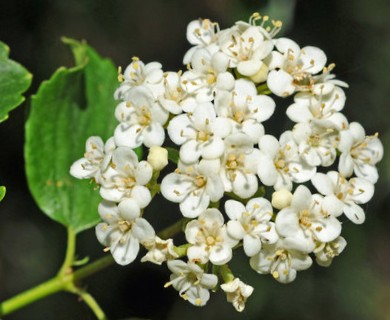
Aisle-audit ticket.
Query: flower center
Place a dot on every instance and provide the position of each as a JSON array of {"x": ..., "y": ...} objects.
[
  {"x": 203, "y": 136},
  {"x": 129, "y": 182},
  {"x": 124, "y": 226},
  {"x": 250, "y": 224},
  {"x": 314, "y": 140},
  {"x": 303, "y": 80},
  {"x": 145, "y": 117},
  {"x": 304, "y": 219},
  {"x": 211, "y": 78},
  {"x": 200, "y": 181},
  {"x": 239, "y": 116},
  {"x": 176, "y": 94},
  {"x": 234, "y": 161},
  {"x": 281, "y": 256},
  {"x": 331, "y": 250}
]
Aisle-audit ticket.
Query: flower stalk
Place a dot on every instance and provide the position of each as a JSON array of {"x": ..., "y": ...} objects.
[{"x": 69, "y": 280}]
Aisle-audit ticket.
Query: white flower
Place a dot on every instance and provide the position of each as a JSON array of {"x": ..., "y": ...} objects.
[
  {"x": 137, "y": 74},
  {"x": 280, "y": 164},
  {"x": 281, "y": 198},
  {"x": 342, "y": 195},
  {"x": 325, "y": 252},
  {"x": 359, "y": 153},
  {"x": 194, "y": 187},
  {"x": 307, "y": 107},
  {"x": 207, "y": 75},
  {"x": 280, "y": 262},
  {"x": 174, "y": 99},
  {"x": 209, "y": 239},
  {"x": 239, "y": 165},
  {"x": 123, "y": 229},
  {"x": 306, "y": 221},
  {"x": 316, "y": 144},
  {"x": 245, "y": 108},
  {"x": 126, "y": 178},
  {"x": 191, "y": 281},
  {"x": 158, "y": 158},
  {"x": 96, "y": 159},
  {"x": 159, "y": 250},
  {"x": 237, "y": 292},
  {"x": 251, "y": 223},
  {"x": 200, "y": 134},
  {"x": 246, "y": 47},
  {"x": 201, "y": 33},
  {"x": 141, "y": 120},
  {"x": 325, "y": 82},
  {"x": 295, "y": 67}
]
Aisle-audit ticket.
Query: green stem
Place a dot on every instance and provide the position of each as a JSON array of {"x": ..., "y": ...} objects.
[
  {"x": 173, "y": 229},
  {"x": 90, "y": 301},
  {"x": 181, "y": 251},
  {"x": 54, "y": 285},
  {"x": 226, "y": 273},
  {"x": 93, "y": 268},
  {"x": 263, "y": 89},
  {"x": 70, "y": 253},
  {"x": 29, "y": 296},
  {"x": 66, "y": 279}
]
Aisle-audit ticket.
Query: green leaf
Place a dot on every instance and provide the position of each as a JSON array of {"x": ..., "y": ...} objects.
[
  {"x": 74, "y": 104},
  {"x": 14, "y": 80},
  {"x": 173, "y": 155},
  {"x": 2, "y": 192}
]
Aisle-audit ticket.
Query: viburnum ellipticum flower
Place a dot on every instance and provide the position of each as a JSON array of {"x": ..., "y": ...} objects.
[
  {"x": 96, "y": 159},
  {"x": 237, "y": 292},
  {"x": 126, "y": 178},
  {"x": 191, "y": 281},
  {"x": 122, "y": 230},
  {"x": 194, "y": 186},
  {"x": 199, "y": 133},
  {"x": 280, "y": 262},
  {"x": 237, "y": 185},
  {"x": 251, "y": 223},
  {"x": 209, "y": 238}
]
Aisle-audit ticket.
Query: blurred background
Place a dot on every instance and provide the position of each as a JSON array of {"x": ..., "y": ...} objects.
[{"x": 355, "y": 35}]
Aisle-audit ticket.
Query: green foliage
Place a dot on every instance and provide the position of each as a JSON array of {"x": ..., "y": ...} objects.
[
  {"x": 2, "y": 192},
  {"x": 14, "y": 80},
  {"x": 173, "y": 155},
  {"x": 74, "y": 104}
]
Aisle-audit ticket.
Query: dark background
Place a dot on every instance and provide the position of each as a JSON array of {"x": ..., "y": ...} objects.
[{"x": 354, "y": 34}]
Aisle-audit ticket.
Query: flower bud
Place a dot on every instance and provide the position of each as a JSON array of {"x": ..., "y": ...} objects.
[
  {"x": 281, "y": 199},
  {"x": 261, "y": 75},
  {"x": 158, "y": 158}
]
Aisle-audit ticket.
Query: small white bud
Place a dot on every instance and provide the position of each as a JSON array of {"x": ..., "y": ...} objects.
[
  {"x": 281, "y": 199},
  {"x": 158, "y": 158},
  {"x": 261, "y": 75}
]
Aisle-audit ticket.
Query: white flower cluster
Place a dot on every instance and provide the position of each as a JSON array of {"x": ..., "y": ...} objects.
[{"x": 214, "y": 112}]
